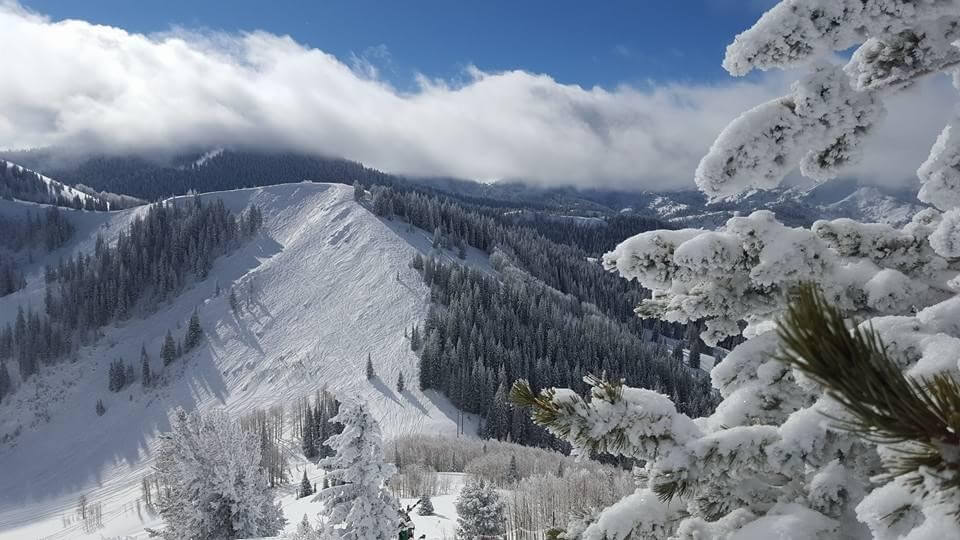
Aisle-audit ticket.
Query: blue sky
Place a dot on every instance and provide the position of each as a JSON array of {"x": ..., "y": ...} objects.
[{"x": 576, "y": 42}]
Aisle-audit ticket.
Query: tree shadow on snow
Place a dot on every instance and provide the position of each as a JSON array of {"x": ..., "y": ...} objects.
[
  {"x": 416, "y": 402},
  {"x": 384, "y": 389}
]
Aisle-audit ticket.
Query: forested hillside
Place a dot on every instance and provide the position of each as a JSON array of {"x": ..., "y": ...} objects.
[
  {"x": 151, "y": 260},
  {"x": 486, "y": 332},
  {"x": 564, "y": 267},
  {"x": 25, "y": 235},
  {"x": 23, "y": 184}
]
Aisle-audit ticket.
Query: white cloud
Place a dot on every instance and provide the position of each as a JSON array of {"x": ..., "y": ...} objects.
[{"x": 74, "y": 83}]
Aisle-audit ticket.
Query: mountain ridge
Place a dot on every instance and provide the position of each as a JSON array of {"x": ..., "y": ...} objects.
[{"x": 323, "y": 285}]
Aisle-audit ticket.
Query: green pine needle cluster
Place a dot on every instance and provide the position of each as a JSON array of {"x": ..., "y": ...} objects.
[
  {"x": 563, "y": 418},
  {"x": 919, "y": 417}
]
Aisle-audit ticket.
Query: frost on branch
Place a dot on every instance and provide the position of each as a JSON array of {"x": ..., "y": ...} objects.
[
  {"x": 795, "y": 31},
  {"x": 940, "y": 173},
  {"x": 896, "y": 60},
  {"x": 820, "y": 124},
  {"x": 743, "y": 271},
  {"x": 618, "y": 420}
]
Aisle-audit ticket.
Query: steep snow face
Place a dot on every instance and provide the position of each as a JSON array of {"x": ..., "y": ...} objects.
[{"x": 325, "y": 284}]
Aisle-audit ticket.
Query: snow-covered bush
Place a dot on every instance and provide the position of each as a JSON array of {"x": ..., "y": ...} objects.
[
  {"x": 358, "y": 504},
  {"x": 772, "y": 461},
  {"x": 214, "y": 488}
]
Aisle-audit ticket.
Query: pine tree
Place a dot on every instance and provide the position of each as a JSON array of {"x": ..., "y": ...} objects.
[
  {"x": 370, "y": 373},
  {"x": 194, "y": 332},
  {"x": 304, "y": 531},
  {"x": 693, "y": 358},
  {"x": 5, "y": 383},
  {"x": 112, "y": 382},
  {"x": 417, "y": 263},
  {"x": 880, "y": 402},
  {"x": 308, "y": 440},
  {"x": 234, "y": 305},
  {"x": 359, "y": 507},
  {"x": 480, "y": 512},
  {"x": 168, "y": 352},
  {"x": 357, "y": 191},
  {"x": 400, "y": 383},
  {"x": 415, "y": 342},
  {"x": 425, "y": 506},
  {"x": 306, "y": 488},
  {"x": 146, "y": 378},
  {"x": 100, "y": 408},
  {"x": 129, "y": 375},
  {"x": 214, "y": 486},
  {"x": 514, "y": 472},
  {"x": 677, "y": 353}
]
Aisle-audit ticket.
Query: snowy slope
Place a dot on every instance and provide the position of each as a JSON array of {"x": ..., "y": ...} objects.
[{"x": 325, "y": 293}]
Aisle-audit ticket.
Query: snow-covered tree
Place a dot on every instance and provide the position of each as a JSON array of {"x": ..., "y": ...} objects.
[
  {"x": 479, "y": 512},
  {"x": 304, "y": 531},
  {"x": 425, "y": 506},
  {"x": 781, "y": 454},
  {"x": 401, "y": 385},
  {"x": 306, "y": 488},
  {"x": 213, "y": 485},
  {"x": 358, "y": 504}
]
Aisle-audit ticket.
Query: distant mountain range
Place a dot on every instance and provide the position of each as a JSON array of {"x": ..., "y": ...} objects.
[{"x": 152, "y": 178}]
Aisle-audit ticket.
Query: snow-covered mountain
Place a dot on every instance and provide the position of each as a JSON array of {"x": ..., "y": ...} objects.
[
  {"x": 794, "y": 206},
  {"x": 20, "y": 183},
  {"x": 322, "y": 286}
]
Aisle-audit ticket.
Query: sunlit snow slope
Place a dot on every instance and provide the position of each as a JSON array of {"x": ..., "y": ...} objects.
[{"x": 330, "y": 283}]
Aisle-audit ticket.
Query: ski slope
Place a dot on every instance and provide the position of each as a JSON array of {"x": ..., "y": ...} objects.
[{"x": 324, "y": 284}]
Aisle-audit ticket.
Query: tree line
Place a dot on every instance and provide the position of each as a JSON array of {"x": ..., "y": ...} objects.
[
  {"x": 595, "y": 236},
  {"x": 227, "y": 170}
]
